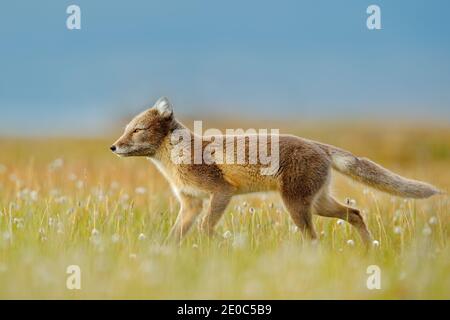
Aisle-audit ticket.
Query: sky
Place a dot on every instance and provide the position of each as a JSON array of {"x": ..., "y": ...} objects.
[{"x": 280, "y": 59}]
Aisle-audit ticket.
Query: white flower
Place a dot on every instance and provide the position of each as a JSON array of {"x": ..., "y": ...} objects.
[
  {"x": 426, "y": 231},
  {"x": 397, "y": 214},
  {"x": 34, "y": 195},
  {"x": 95, "y": 232},
  {"x": 14, "y": 206},
  {"x": 6, "y": 236},
  {"x": 142, "y": 237},
  {"x": 433, "y": 220},
  {"x": 114, "y": 185},
  {"x": 251, "y": 210},
  {"x": 350, "y": 202},
  {"x": 56, "y": 164},
  {"x": 124, "y": 197},
  {"x": 55, "y": 192},
  {"x": 79, "y": 184},
  {"x": 22, "y": 193},
  {"x": 140, "y": 190},
  {"x": 99, "y": 193},
  {"x": 350, "y": 243},
  {"x": 195, "y": 246},
  {"x": 115, "y": 238},
  {"x": 340, "y": 222},
  {"x": 398, "y": 230},
  {"x": 61, "y": 199},
  {"x": 240, "y": 241},
  {"x": 227, "y": 234},
  {"x": 17, "y": 220},
  {"x": 375, "y": 243},
  {"x": 95, "y": 239}
]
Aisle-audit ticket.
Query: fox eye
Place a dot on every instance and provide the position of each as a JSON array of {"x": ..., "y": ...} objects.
[{"x": 136, "y": 130}]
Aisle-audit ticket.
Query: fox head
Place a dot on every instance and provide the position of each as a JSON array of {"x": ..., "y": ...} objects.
[{"x": 145, "y": 133}]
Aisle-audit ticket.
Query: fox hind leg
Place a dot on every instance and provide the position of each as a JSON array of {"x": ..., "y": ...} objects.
[
  {"x": 326, "y": 206},
  {"x": 300, "y": 211}
]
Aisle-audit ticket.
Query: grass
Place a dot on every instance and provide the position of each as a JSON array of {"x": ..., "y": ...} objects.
[{"x": 71, "y": 202}]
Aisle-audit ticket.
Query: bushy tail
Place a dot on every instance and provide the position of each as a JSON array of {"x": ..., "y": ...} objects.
[{"x": 372, "y": 174}]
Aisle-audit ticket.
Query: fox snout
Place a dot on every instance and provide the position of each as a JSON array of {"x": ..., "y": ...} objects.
[
  {"x": 122, "y": 146},
  {"x": 115, "y": 149},
  {"x": 122, "y": 149},
  {"x": 126, "y": 147}
]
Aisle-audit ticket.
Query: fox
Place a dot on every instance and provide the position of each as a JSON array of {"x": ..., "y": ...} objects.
[{"x": 302, "y": 178}]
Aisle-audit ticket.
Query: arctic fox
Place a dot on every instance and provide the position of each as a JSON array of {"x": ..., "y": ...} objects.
[{"x": 302, "y": 178}]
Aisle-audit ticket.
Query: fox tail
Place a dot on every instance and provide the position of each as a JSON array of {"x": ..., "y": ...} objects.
[{"x": 374, "y": 175}]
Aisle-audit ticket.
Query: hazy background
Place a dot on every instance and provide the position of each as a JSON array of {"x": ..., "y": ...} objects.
[{"x": 272, "y": 59}]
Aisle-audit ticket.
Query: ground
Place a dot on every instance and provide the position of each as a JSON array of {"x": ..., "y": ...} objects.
[{"x": 67, "y": 201}]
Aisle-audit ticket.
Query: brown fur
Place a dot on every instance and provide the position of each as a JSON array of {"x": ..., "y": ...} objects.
[{"x": 302, "y": 179}]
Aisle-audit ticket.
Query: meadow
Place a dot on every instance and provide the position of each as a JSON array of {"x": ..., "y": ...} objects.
[{"x": 70, "y": 201}]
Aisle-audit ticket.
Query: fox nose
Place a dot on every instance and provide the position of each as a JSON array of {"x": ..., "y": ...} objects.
[{"x": 113, "y": 148}]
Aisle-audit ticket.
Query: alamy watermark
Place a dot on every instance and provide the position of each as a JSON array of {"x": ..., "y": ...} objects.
[
  {"x": 374, "y": 279},
  {"x": 73, "y": 21},
  {"x": 373, "y": 22},
  {"x": 236, "y": 146},
  {"x": 73, "y": 281}
]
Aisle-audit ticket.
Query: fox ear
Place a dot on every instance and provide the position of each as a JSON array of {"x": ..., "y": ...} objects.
[{"x": 164, "y": 107}]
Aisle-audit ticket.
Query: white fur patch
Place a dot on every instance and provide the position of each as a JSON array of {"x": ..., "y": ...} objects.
[
  {"x": 193, "y": 191},
  {"x": 164, "y": 107},
  {"x": 185, "y": 189},
  {"x": 342, "y": 162},
  {"x": 166, "y": 175},
  {"x": 121, "y": 151}
]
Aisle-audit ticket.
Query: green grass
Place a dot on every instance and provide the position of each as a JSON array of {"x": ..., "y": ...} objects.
[{"x": 48, "y": 214}]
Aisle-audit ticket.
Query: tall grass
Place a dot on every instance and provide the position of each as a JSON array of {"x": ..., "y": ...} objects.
[{"x": 71, "y": 202}]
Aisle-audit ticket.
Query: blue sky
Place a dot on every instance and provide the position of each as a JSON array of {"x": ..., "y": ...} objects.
[{"x": 303, "y": 59}]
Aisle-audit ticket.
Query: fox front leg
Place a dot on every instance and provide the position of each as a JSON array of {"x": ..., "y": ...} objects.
[
  {"x": 217, "y": 205},
  {"x": 190, "y": 208}
]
